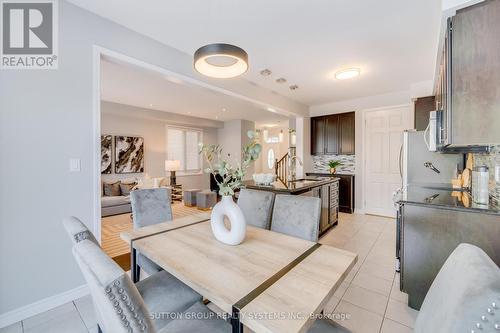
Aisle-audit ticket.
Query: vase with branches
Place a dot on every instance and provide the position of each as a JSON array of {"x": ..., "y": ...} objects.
[{"x": 229, "y": 178}]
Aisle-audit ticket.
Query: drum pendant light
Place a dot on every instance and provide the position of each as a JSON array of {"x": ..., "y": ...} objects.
[{"x": 222, "y": 61}]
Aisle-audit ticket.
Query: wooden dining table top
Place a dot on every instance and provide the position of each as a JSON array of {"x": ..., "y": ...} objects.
[{"x": 276, "y": 281}]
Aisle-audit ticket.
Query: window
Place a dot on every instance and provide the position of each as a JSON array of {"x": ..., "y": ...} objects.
[
  {"x": 270, "y": 158},
  {"x": 182, "y": 145}
]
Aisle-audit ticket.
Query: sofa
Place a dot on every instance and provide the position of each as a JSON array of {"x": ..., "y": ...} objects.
[{"x": 115, "y": 194}]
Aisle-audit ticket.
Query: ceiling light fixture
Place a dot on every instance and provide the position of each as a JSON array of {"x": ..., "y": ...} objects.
[
  {"x": 271, "y": 110},
  {"x": 265, "y": 72},
  {"x": 221, "y": 61},
  {"x": 223, "y": 109},
  {"x": 294, "y": 87},
  {"x": 348, "y": 73},
  {"x": 281, "y": 80}
]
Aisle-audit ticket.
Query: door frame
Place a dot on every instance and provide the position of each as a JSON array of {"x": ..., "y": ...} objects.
[{"x": 364, "y": 155}]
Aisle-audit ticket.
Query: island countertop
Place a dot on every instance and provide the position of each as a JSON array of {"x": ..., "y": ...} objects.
[{"x": 294, "y": 187}]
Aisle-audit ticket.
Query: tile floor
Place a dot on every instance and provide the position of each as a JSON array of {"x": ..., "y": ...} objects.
[{"x": 369, "y": 299}]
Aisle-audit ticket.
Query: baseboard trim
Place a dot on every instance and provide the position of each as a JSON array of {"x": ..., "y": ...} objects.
[
  {"x": 43, "y": 305},
  {"x": 359, "y": 211}
]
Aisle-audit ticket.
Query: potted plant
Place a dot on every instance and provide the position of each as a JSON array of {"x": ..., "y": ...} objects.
[
  {"x": 333, "y": 164},
  {"x": 229, "y": 177}
]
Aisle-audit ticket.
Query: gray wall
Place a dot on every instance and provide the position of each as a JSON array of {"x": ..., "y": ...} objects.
[
  {"x": 119, "y": 119},
  {"x": 46, "y": 118}
]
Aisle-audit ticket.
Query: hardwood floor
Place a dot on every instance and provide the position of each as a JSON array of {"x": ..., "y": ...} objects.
[{"x": 111, "y": 227}]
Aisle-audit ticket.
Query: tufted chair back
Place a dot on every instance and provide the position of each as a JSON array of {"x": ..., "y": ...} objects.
[
  {"x": 77, "y": 231},
  {"x": 115, "y": 296},
  {"x": 257, "y": 207},
  {"x": 297, "y": 216},
  {"x": 151, "y": 206}
]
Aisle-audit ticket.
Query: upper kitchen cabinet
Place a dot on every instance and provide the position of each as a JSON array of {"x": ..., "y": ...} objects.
[
  {"x": 467, "y": 92},
  {"x": 475, "y": 74},
  {"x": 423, "y": 107},
  {"x": 333, "y": 134}
]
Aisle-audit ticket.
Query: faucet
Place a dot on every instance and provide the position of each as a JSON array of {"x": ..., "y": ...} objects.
[{"x": 431, "y": 166}]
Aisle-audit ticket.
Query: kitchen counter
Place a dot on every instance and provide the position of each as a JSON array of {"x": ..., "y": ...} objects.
[
  {"x": 296, "y": 187},
  {"x": 445, "y": 198}
]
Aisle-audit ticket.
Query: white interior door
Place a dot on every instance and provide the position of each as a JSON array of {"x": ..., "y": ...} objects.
[{"x": 383, "y": 139}]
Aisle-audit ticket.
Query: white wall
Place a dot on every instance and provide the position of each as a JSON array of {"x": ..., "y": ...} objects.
[
  {"x": 46, "y": 118},
  {"x": 359, "y": 106},
  {"x": 119, "y": 119},
  {"x": 232, "y": 137}
]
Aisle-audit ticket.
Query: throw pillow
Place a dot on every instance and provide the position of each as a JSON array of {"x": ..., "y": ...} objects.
[
  {"x": 112, "y": 189},
  {"x": 126, "y": 188}
]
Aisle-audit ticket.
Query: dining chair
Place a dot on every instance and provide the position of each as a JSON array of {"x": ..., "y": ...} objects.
[
  {"x": 297, "y": 216},
  {"x": 150, "y": 206},
  {"x": 257, "y": 207},
  {"x": 150, "y": 306},
  {"x": 160, "y": 290},
  {"x": 77, "y": 230}
]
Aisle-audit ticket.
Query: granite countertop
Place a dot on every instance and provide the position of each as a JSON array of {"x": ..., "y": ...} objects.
[
  {"x": 299, "y": 186},
  {"x": 445, "y": 198},
  {"x": 326, "y": 174}
]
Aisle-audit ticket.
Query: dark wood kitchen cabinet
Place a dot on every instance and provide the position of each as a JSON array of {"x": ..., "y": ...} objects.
[
  {"x": 346, "y": 190},
  {"x": 333, "y": 134}
]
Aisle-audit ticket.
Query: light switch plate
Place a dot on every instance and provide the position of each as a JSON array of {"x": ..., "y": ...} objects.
[{"x": 74, "y": 165}]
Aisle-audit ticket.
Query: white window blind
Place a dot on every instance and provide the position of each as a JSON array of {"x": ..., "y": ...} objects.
[{"x": 182, "y": 145}]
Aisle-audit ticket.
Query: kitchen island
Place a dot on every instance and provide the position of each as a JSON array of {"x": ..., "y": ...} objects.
[{"x": 325, "y": 188}]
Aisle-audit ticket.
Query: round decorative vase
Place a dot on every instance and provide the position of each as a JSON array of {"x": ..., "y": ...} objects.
[
  {"x": 332, "y": 170},
  {"x": 227, "y": 208}
]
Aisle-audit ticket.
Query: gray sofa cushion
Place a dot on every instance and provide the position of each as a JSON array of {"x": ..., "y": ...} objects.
[
  {"x": 464, "y": 289},
  {"x": 125, "y": 189},
  {"x": 297, "y": 216},
  {"x": 111, "y": 189},
  {"x": 114, "y": 201},
  {"x": 257, "y": 207}
]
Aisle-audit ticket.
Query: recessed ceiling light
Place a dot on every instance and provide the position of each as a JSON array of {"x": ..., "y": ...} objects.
[
  {"x": 265, "y": 72},
  {"x": 348, "y": 73},
  {"x": 294, "y": 87},
  {"x": 150, "y": 105},
  {"x": 222, "y": 61},
  {"x": 216, "y": 117},
  {"x": 189, "y": 112},
  {"x": 223, "y": 109},
  {"x": 281, "y": 80}
]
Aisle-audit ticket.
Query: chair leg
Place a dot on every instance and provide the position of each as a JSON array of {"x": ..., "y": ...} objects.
[{"x": 99, "y": 330}]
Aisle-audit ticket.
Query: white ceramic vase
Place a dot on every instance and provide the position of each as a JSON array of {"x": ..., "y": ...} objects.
[{"x": 227, "y": 208}]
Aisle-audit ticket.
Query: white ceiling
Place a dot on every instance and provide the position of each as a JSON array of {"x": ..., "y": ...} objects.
[
  {"x": 127, "y": 84},
  {"x": 394, "y": 42}
]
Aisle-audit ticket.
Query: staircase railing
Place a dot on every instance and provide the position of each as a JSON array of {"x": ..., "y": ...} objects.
[{"x": 281, "y": 168}]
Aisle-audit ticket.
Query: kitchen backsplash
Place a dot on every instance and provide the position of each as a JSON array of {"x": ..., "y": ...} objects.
[
  {"x": 320, "y": 163},
  {"x": 489, "y": 161}
]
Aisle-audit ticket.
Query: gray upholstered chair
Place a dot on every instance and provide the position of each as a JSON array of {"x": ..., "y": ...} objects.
[
  {"x": 150, "y": 206},
  {"x": 148, "y": 306},
  {"x": 461, "y": 296},
  {"x": 78, "y": 231},
  {"x": 257, "y": 207},
  {"x": 297, "y": 216}
]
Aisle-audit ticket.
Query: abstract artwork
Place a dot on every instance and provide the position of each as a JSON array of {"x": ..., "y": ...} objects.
[
  {"x": 106, "y": 153},
  {"x": 129, "y": 154}
]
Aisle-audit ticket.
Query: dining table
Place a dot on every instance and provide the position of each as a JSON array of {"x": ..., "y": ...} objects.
[{"x": 271, "y": 282}]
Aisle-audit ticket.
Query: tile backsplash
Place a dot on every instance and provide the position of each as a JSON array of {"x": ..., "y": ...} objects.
[{"x": 320, "y": 163}]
